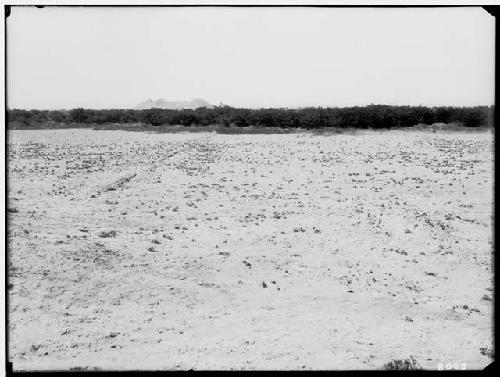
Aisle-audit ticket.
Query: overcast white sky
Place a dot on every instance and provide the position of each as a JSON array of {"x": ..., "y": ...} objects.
[{"x": 249, "y": 57}]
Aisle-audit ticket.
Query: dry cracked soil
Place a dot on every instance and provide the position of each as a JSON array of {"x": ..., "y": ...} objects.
[{"x": 131, "y": 250}]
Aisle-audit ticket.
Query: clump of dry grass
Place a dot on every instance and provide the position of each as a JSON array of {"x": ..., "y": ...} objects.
[
  {"x": 403, "y": 364},
  {"x": 486, "y": 351},
  {"x": 104, "y": 234}
]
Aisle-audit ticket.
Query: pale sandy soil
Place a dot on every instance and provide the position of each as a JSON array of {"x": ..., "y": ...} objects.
[{"x": 372, "y": 247}]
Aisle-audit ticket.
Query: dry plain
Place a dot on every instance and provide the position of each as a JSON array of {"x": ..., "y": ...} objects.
[{"x": 132, "y": 250}]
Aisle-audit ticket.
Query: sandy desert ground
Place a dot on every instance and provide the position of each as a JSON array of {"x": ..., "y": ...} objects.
[{"x": 132, "y": 250}]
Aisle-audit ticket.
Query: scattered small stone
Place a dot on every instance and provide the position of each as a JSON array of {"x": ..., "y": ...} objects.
[
  {"x": 486, "y": 297},
  {"x": 408, "y": 319}
]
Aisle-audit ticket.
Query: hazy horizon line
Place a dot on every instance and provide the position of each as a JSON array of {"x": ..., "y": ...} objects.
[{"x": 255, "y": 108}]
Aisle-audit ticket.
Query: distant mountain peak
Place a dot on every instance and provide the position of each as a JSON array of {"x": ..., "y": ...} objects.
[{"x": 173, "y": 105}]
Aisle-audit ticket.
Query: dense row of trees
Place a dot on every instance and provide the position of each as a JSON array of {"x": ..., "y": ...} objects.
[{"x": 372, "y": 116}]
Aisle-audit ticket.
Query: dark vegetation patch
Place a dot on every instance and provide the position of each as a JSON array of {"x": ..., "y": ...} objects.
[
  {"x": 403, "y": 364},
  {"x": 230, "y": 120}
]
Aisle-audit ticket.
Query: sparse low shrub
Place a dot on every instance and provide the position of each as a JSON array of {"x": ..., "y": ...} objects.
[
  {"x": 403, "y": 364},
  {"x": 109, "y": 234}
]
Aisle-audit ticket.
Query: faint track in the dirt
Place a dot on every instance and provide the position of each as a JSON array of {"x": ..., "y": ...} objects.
[
  {"x": 145, "y": 171},
  {"x": 119, "y": 183},
  {"x": 194, "y": 152},
  {"x": 116, "y": 184}
]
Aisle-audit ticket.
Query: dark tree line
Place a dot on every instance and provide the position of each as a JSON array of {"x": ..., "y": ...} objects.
[{"x": 372, "y": 116}]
